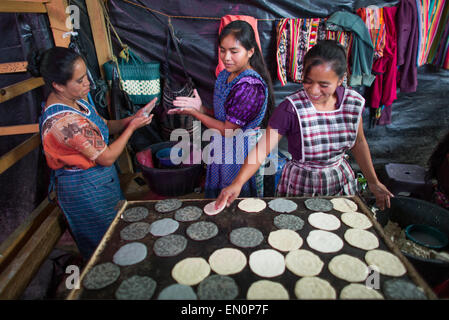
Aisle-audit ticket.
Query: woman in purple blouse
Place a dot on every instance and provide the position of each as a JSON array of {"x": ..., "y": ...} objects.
[{"x": 242, "y": 100}]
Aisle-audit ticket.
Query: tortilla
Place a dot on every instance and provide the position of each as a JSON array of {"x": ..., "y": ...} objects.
[
  {"x": 344, "y": 205},
  {"x": 304, "y": 263},
  {"x": 136, "y": 288},
  {"x": 170, "y": 246},
  {"x": 282, "y": 205},
  {"x": 189, "y": 213},
  {"x": 387, "y": 263},
  {"x": 314, "y": 288},
  {"x": 361, "y": 239},
  {"x": 402, "y": 289},
  {"x": 267, "y": 290},
  {"x": 246, "y": 237},
  {"x": 130, "y": 254},
  {"x": 202, "y": 230},
  {"x": 218, "y": 287},
  {"x": 356, "y": 291},
  {"x": 167, "y": 205},
  {"x": 285, "y": 240},
  {"x": 190, "y": 271},
  {"x": 163, "y": 227},
  {"x": 288, "y": 221},
  {"x": 319, "y": 205},
  {"x": 324, "y": 221},
  {"x": 267, "y": 263},
  {"x": 324, "y": 241},
  {"x": 177, "y": 292},
  {"x": 135, "y": 231},
  {"x": 252, "y": 205},
  {"x": 210, "y": 210},
  {"x": 135, "y": 214},
  {"x": 101, "y": 275},
  {"x": 348, "y": 268},
  {"x": 356, "y": 220},
  {"x": 227, "y": 261}
]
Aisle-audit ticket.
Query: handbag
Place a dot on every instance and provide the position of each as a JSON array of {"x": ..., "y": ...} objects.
[
  {"x": 140, "y": 80},
  {"x": 174, "y": 88}
]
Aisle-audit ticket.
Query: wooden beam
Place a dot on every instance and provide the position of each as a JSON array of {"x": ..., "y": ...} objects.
[
  {"x": 22, "y": 6},
  {"x": 20, "y": 129},
  {"x": 18, "y": 274},
  {"x": 58, "y": 21},
  {"x": 19, "y": 88},
  {"x": 16, "y": 240},
  {"x": 9, "y": 159},
  {"x": 13, "y": 67},
  {"x": 99, "y": 33}
]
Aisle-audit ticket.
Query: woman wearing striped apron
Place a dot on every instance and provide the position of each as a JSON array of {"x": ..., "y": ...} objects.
[
  {"x": 75, "y": 141},
  {"x": 321, "y": 122},
  {"x": 242, "y": 100}
]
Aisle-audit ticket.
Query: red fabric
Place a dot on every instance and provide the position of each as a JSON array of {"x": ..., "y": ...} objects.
[
  {"x": 226, "y": 20},
  {"x": 384, "y": 87}
]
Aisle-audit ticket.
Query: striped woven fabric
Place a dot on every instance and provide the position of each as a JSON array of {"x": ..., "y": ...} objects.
[
  {"x": 374, "y": 21},
  {"x": 326, "y": 136}
]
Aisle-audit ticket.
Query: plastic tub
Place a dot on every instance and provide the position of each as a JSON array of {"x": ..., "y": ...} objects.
[
  {"x": 175, "y": 181},
  {"x": 426, "y": 236}
]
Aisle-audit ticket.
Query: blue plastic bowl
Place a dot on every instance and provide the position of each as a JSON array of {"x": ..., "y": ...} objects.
[
  {"x": 427, "y": 236},
  {"x": 163, "y": 156}
]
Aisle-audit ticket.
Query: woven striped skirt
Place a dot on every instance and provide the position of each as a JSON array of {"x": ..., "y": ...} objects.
[
  {"x": 300, "y": 180},
  {"x": 88, "y": 199}
]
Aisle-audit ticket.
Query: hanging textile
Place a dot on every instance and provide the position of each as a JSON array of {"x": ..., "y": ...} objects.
[
  {"x": 431, "y": 11},
  {"x": 374, "y": 21},
  {"x": 438, "y": 53},
  {"x": 294, "y": 38}
]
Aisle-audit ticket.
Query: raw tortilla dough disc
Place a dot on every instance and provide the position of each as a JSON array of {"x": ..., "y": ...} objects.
[
  {"x": 218, "y": 287},
  {"x": 227, "y": 261},
  {"x": 282, "y": 205},
  {"x": 189, "y": 213},
  {"x": 168, "y": 205},
  {"x": 288, "y": 221},
  {"x": 361, "y": 239},
  {"x": 387, "y": 263},
  {"x": 314, "y": 288},
  {"x": 348, "y": 268},
  {"x": 344, "y": 205},
  {"x": 135, "y": 231},
  {"x": 190, "y": 271},
  {"x": 267, "y": 263},
  {"x": 170, "y": 246},
  {"x": 356, "y": 220},
  {"x": 267, "y": 290},
  {"x": 136, "y": 288},
  {"x": 285, "y": 240},
  {"x": 246, "y": 237},
  {"x": 210, "y": 210},
  {"x": 130, "y": 254},
  {"x": 163, "y": 227},
  {"x": 304, "y": 263},
  {"x": 135, "y": 214},
  {"x": 356, "y": 291},
  {"x": 252, "y": 205},
  {"x": 324, "y": 241},
  {"x": 177, "y": 292},
  {"x": 317, "y": 204},
  {"x": 324, "y": 221},
  {"x": 101, "y": 276},
  {"x": 402, "y": 289},
  {"x": 202, "y": 230}
]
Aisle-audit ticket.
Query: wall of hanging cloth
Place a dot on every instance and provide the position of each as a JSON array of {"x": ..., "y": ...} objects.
[{"x": 439, "y": 51}]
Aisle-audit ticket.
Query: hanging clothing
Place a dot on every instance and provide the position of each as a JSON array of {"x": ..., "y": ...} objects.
[
  {"x": 439, "y": 50},
  {"x": 86, "y": 196},
  {"x": 224, "y": 22},
  {"x": 383, "y": 90},
  {"x": 325, "y": 137},
  {"x": 375, "y": 23},
  {"x": 408, "y": 41},
  {"x": 245, "y": 107},
  {"x": 362, "y": 50}
]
